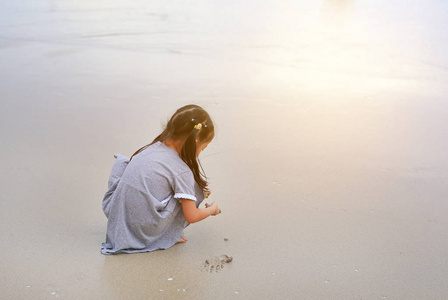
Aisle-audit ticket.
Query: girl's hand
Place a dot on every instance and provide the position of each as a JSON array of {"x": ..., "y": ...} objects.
[{"x": 215, "y": 208}]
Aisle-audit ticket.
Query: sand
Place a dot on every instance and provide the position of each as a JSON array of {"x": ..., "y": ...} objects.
[{"x": 329, "y": 163}]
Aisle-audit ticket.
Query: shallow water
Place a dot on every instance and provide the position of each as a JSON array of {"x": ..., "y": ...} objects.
[
  {"x": 296, "y": 46},
  {"x": 329, "y": 162}
]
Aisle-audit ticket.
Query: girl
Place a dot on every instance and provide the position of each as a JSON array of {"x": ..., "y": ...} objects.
[{"x": 154, "y": 195}]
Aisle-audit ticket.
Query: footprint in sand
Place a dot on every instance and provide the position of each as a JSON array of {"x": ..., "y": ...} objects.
[{"x": 216, "y": 263}]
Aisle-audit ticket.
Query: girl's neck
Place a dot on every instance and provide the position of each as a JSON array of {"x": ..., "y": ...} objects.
[{"x": 176, "y": 145}]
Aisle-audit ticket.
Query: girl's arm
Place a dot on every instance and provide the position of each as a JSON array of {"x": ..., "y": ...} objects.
[{"x": 193, "y": 214}]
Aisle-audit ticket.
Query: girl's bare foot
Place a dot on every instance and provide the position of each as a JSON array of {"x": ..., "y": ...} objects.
[{"x": 182, "y": 240}]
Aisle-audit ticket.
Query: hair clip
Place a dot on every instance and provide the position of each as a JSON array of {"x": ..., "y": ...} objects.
[{"x": 199, "y": 126}]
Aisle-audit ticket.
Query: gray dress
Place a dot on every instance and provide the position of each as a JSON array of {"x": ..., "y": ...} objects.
[{"x": 142, "y": 204}]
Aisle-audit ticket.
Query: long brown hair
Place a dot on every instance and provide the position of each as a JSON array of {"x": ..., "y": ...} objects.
[{"x": 183, "y": 124}]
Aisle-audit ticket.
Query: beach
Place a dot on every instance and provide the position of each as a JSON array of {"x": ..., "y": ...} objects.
[{"x": 329, "y": 164}]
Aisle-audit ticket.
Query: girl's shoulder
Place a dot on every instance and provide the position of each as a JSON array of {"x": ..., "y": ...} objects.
[{"x": 162, "y": 157}]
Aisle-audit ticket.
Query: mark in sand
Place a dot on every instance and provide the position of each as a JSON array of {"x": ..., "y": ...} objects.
[{"x": 216, "y": 263}]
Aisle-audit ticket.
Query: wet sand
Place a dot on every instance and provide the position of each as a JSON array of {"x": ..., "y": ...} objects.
[{"x": 329, "y": 163}]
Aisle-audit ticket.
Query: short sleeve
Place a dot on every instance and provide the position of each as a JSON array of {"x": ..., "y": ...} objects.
[{"x": 184, "y": 186}]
